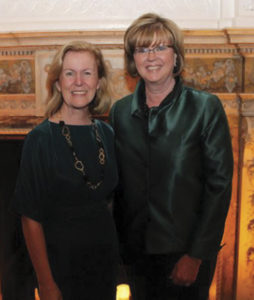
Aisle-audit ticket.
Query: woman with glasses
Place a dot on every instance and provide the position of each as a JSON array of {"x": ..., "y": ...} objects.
[{"x": 175, "y": 163}]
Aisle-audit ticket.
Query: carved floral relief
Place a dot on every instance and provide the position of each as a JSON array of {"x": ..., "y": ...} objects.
[
  {"x": 214, "y": 75},
  {"x": 17, "y": 84},
  {"x": 17, "y": 76},
  {"x": 249, "y": 74}
]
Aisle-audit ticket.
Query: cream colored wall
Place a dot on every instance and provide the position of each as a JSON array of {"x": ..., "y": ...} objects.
[{"x": 52, "y": 15}]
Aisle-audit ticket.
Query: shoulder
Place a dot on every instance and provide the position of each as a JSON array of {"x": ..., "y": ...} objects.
[
  {"x": 120, "y": 108},
  {"x": 202, "y": 99},
  {"x": 105, "y": 127},
  {"x": 36, "y": 144},
  {"x": 199, "y": 95},
  {"x": 38, "y": 134},
  {"x": 123, "y": 102}
]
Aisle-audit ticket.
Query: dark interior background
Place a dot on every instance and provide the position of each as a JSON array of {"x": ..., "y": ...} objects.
[{"x": 16, "y": 274}]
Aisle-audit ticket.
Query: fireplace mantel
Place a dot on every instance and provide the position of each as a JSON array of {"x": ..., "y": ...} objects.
[{"x": 219, "y": 61}]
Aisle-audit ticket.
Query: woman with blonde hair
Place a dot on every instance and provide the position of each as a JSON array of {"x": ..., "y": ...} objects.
[{"x": 67, "y": 174}]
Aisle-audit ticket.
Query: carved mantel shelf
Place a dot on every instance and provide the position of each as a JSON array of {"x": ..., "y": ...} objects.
[
  {"x": 240, "y": 35},
  {"x": 115, "y": 37},
  {"x": 59, "y": 38}
]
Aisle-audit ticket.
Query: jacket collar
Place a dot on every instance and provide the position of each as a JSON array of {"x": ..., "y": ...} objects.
[
  {"x": 139, "y": 97},
  {"x": 138, "y": 94}
]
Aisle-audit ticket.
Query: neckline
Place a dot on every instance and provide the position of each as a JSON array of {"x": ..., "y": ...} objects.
[
  {"x": 71, "y": 125},
  {"x": 79, "y": 165}
]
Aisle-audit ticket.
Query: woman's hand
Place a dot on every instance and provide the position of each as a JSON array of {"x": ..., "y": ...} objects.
[
  {"x": 186, "y": 270},
  {"x": 50, "y": 292}
]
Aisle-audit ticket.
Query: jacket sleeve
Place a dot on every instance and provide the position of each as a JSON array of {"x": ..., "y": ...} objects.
[{"x": 217, "y": 160}]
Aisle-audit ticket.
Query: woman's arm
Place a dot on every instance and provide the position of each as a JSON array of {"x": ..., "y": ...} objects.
[{"x": 36, "y": 245}]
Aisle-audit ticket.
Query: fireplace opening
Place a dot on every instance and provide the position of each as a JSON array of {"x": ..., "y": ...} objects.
[{"x": 16, "y": 273}]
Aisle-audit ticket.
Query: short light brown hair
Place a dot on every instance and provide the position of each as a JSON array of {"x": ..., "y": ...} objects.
[
  {"x": 101, "y": 103},
  {"x": 142, "y": 33}
]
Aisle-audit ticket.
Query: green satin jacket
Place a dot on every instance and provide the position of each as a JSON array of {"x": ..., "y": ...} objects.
[{"x": 175, "y": 164}]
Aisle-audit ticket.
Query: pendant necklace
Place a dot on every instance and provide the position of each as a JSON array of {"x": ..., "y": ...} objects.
[{"x": 78, "y": 164}]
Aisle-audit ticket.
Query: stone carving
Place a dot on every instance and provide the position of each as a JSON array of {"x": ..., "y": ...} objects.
[
  {"x": 16, "y": 77},
  {"x": 250, "y": 255},
  {"x": 248, "y": 111},
  {"x": 250, "y": 168},
  {"x": 18, "y": 52},
  {"x": 251, "y": 223},
  {"x": 122, "y": 83},
  {"x": 245, "y": 263},
  {"x": 250, "y": 264},
  {"x": 16, "y": 105},
  {"x": 202, "y": 77}
]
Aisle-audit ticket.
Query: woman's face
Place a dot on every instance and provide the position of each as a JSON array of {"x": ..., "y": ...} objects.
[
  {"x": 155, "y": 66},
  {"x": 78, "y": 80}
]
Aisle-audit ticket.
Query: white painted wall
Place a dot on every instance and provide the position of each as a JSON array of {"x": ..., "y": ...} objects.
[{"x": 62, "y": 15}]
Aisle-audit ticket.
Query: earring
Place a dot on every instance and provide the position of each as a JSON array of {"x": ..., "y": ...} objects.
[
  {"x": 58, "y": 86},
  {"x": 175, "y": 60}
]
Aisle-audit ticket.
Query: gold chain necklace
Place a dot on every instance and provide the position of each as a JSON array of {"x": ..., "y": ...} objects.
[{"x": 78, "y": 164}]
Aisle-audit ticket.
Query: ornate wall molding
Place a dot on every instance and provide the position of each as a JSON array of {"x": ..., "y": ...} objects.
[
  {"x": 247, "y": 109},
  {"x": 16, "y": 52},
  {"x": 213, "y": 63},
  {"x": 245, "y": 275},
  {"x": 225, "y": 271},
  {"x": 238, "y": 35},
  {"x": 215, "y": 68},
  {"x": 115, "y": 37},
  {"x": 46, "y": 39}
]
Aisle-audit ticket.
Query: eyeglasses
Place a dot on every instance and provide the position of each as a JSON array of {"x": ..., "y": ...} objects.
[{"x": 157, "y": 49}]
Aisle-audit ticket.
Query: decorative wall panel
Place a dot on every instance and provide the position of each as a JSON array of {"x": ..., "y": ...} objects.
[
  {"x": 225, "y": 271},
  {"x": 245, "y": 276},
  {"x": 247, "y": 50},
  {"x": 43, "y": 59},
  {"x": 213, "y": 68},
  {"x": 17, "y": 85}
]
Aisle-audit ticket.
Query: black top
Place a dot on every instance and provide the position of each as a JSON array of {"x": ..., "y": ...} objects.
[{"x": 76, "y": 220}]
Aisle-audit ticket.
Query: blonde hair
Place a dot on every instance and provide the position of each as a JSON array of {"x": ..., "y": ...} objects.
[
  {"x": 102, "y": 100},
  {"x": 142, "y": 33}
]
